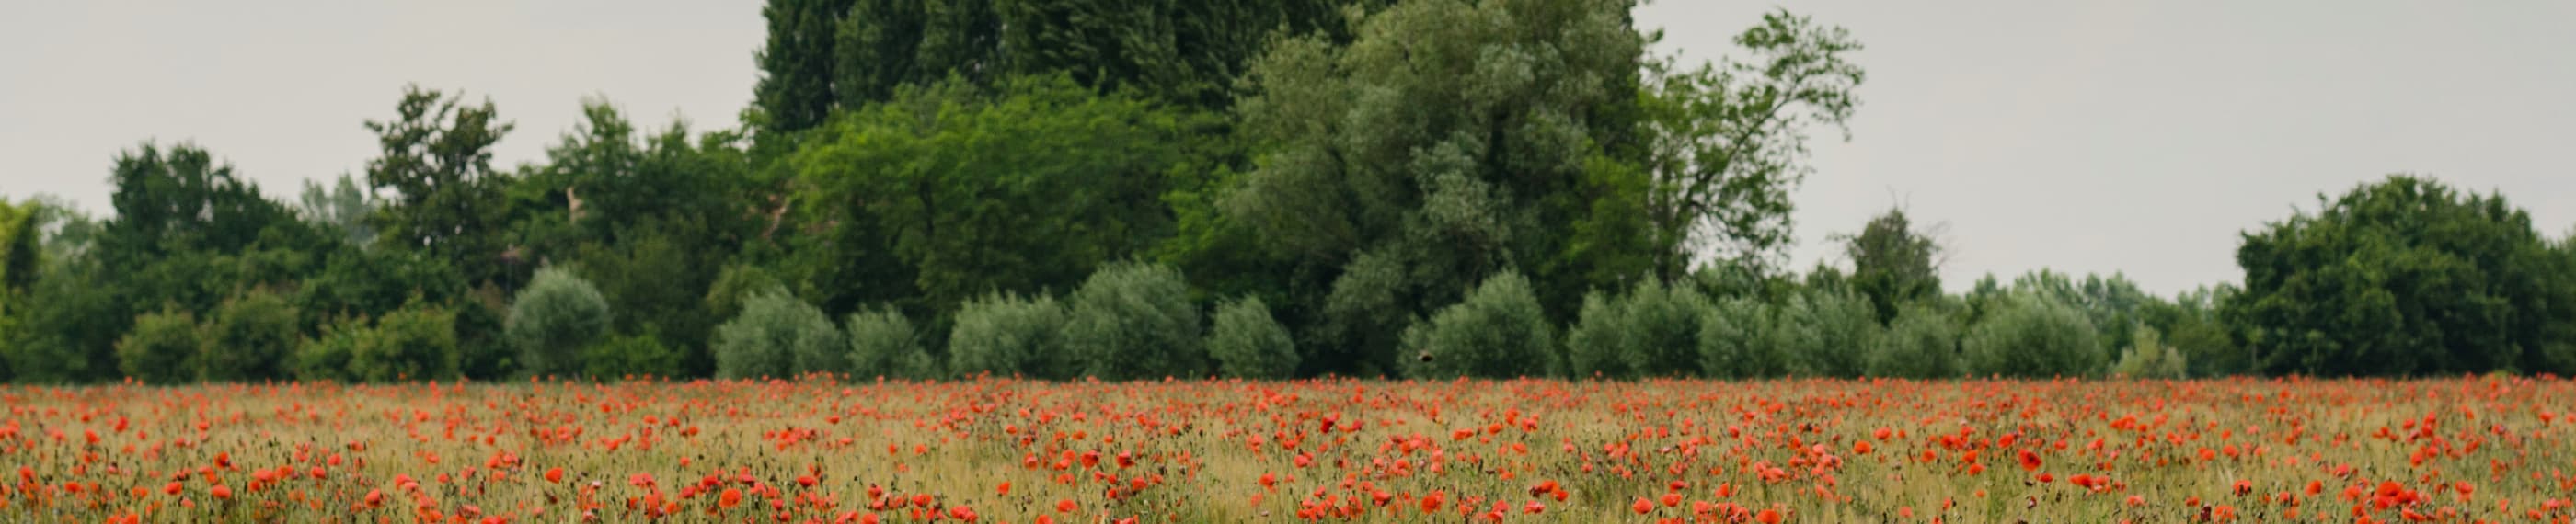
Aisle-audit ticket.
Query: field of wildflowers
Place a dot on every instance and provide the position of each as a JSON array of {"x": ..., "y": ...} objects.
[{"x": 2472, "y": 449}]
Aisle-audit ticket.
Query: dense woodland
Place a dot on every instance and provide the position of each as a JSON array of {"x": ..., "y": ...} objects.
[{"x": 1138, "y": 190}]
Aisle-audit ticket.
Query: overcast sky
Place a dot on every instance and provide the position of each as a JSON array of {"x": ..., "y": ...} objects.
[{"x": 2137, "y": 137}]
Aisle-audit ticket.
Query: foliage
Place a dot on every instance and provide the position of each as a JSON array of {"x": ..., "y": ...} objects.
[
  {"x": 1922, "y": 342},
  {"x": 343, "y": 208},
  {"x": 778, "y": 336},
  {"x": 1134, "y": 320},
  {"x": 2033, "y": 335},
  {"x": 1736, "y": 340},
  {"x": 1006, "y": 334},
  {"x": 1893, "y": 263},
  {"x": 162, "y": 349},
  {"x": 1653, "y": 330},
  {"x": 883, "y": 344},
  {"x": 1728, "y": 142},
  {"x": 1826, "y": 333},
  {"x": 415, "y": 342},
  {"x": 436, "y": 160},
  {"x": 1247, "y": 343},
  {"x": 2402, "y": 277},
  {"x": 2149, "y": 357},
  {"x": 620, "y": 356},
  {"x": 553, "y": 320},
  {"x": 795, "y": 89},
  {"x": 251, "y": 338},
  {"x": 1497, "y": 331}
]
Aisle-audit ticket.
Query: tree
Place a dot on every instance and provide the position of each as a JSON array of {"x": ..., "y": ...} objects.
[
  {"x": 1446, "y": 142},
  {"x": 553, "y": 320},
  {"x": 2033, "y": 335},
  {"x": 1728, "y": 142},
  {"x": 415, "y": 342},
  {"x": 1248, "y": 343},
  {"x": 945, "y": 193},
  {"x": 1133, "y": 321},
  {"x": 162, "y": 348},
  {"x": 621, "y": 356},
  {"x": 250, "y": 338},
  {"x": 795, "y": 89},
  {"x": 1826, "y": 332},
  {"x": 883, "y": 344},
  {"x": 778, "y": 336},
  {"x": 1497, "y": 331},
  {"x": 1006, "y": 334},
  {"x": 343, "y": 208},
  {"x": 2151, "y": 358},
  {"x": 1653, "y": 330},
  {"x": 436, "y": 159},
  {"x": 1923, "y": 342},
  {"x": 1893, "y": 263},
  {"x": 2402, "y": 277},
  {"x": 1735, "y": 340}
]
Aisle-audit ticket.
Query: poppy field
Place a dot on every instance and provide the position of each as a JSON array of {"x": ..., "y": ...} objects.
[{"x": 2473, "y": 449}]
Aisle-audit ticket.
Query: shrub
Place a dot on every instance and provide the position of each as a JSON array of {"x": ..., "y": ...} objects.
[
  {"x": 160, "y": 348},
  {"x": 1652, "y": 331},
  {"x": 2149, "y": 357},
  {"x": 553, "y": 320},
  {"x": 778, "y": 336},
  {"x": 1826, "y": 333},
  {"x": 1134, "y": 321},
  {"x": 2028, "y": 335},
  {"x": 629, "y": 355},
  {"x": 1922, "y": 342},
  {"x": 735, "y": 284},
  {"x": 416, "y": 342},
  {"x": 1735, "y": 340},
  {"x": 1006, "y": 334},
  {"x": 325, "y": 356},
  {"x": 1497, "y": 331},
  {"x": 884, "y": 344},
  {"x": 1248, "y": 343},
  {"x": 250, "y": 338}
]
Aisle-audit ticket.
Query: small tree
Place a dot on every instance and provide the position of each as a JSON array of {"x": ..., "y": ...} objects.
[
  {"x": 417, "y": 342},
  {"x": 778, "y": 336},
  {"x": 2149, "y": 357},
  {"x": 1735, "y": 340},
  {"x": 2031, "y": 335},
  {"x": 883, "y": 343},
  {"x": 1826, "y": 333},
  {"x": 1922, "y": 343},
  {"x": 1007, "y": 334},
  {"x": 160, "y": 348},
  {"x": 250, "y": 338},
  {"x": 1497, "y": 331},
  {"x": 325, "y": 356},
  {"x": 1248, "y": 343},
  {"x": 629, "y": 355},
  {"x": 1134, "y": 321},
  {"x": 1653, "y": 331},
  {"x": 554, "y": 319}
]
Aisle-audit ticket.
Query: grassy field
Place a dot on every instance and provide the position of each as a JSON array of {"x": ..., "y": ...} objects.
[{"x": 2451, "y": 450}]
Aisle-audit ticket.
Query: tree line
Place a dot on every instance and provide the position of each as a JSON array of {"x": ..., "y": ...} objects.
[{"x": 1135, "y": 190}]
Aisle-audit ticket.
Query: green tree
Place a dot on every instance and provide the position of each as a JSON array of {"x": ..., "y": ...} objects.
[
  {"x": 778, "y": 336},
  {"x": 2151, "y": 358},
  {"x": 1135, "y": 321},
  {"x": 2033, "y": 335},
  {"x": 1006, "y": 334},
  {"x": 795, "y": 89},
  {"x": 162, "y": 349},
  {"x": 553, "y": 320},
  {"x": 250, "y": 338},
  {"x": 1653, "y": 330},
  {"x": 1826, "y": 332},
  {"x": 1893, "y": 263},
  {"x": 1728, "y": 142},
  {"x": 1923, "y": 342},
  {"x": 1446, "y": 142},
  {"x": 343, "y": 209},
  {"x": 621, "y": 356},
  {"x": 436, "y": 159},
  {"x": 2402, "y": 277},
  {"x": 415, "y": 342},
  {"x": 1247, "y": 343},
  {"x": 884, "y": 344},
  {"x": 1497, "y": 331}
]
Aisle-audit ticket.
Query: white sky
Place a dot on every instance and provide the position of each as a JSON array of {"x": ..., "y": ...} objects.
[{"x": 2138, "y": 137}]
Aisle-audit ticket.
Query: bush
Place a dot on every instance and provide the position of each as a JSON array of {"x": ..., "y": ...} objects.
[
  {"x": 2028, "y": 335},
  {"x": 629, "y": 355},
  {"x": 884, "y": 344},
  {"x": 325, "y": 356},
  {"x": 1653, "y": 331},
  {"x": 250, "y": 338},
  {"x": 2149, "y": 357},
  {"x": 778, "y": 336},
  {"x": 737, "y": 283},
  {"x": 1922, "y": 342},
  {"x": 1135, "y": 321},
  {"x": 417, "y": 342},
  {"x": 1826, "y": 333},
  {"x": 1735, "y": 340},
  {"x": 1248, "y": 343},
  {"x": 1006, "y": 334},
  {"x": 1497, "y": 331},
  {"x": 161, "y": 348},
  {"x": 553, "y": 320}
]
